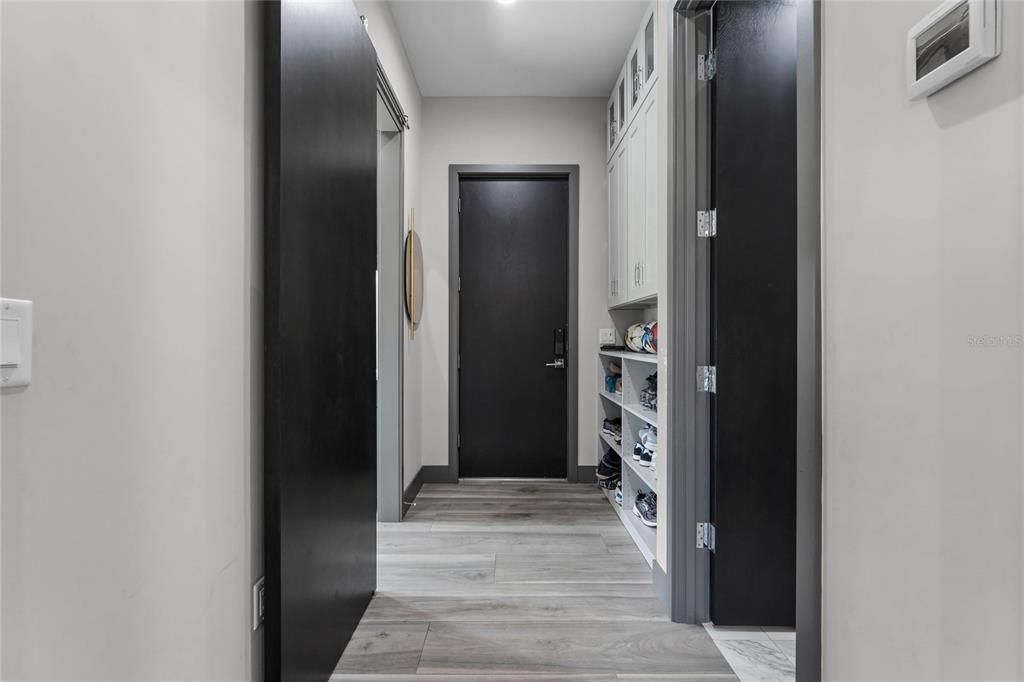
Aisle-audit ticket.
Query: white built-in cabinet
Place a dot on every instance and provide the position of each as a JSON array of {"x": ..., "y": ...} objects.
[
  {"x": 633, "y": 147},
  {"x": 634, "y": 188}
]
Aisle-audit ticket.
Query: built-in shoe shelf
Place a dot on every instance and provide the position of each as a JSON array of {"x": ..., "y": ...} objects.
[
  {"x": 636, "y": 367},
  {"x": 613, "y": 397},
  {"x": 643, "y": 473},
  {"x": 647, "y": 415},
  {"x": 630, "y": 355},
  {"x": 610, "y": 442},
  {"x": 645, "y": 537}
]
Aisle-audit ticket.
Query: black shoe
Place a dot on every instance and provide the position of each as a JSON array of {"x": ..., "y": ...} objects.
[
  {"x": 646, "y": 508},
  {"x": 609, "y": 466},
  {"x": 610, "y": 483},
  {"x": 613, "y": 428},
  {"x": 638, "y": 452}
]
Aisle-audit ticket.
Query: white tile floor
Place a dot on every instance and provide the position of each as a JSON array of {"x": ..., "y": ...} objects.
[{"x": 757, "y": 654}]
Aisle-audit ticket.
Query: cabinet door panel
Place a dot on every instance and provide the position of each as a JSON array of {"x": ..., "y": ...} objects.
[
  {"x": 614, "y": 270},
  {"x": 649, "y": 259},
  {"x": 622, "y": 165},
  {"x": 634, "y": 78},
  {"x": 635, "y": 208},
  {"x": 646, "y": 42}
]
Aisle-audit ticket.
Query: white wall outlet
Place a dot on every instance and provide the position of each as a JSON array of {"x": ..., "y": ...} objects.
[
  {"x": 257, "y": 605},
  {"x": 606, "y": 337}
]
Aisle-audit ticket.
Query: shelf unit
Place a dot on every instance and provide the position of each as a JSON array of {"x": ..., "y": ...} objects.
[
  {"x": 644, "y": 537},
  {"x": 630, "y": 355},
  {"x": 610, "y": 442},
  {"x": 636, "y": 367}
]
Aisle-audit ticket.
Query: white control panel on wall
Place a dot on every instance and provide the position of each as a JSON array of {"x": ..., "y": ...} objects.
[
  {"x": 955, "y": 38},
  {"x": 15, "y": 342}
]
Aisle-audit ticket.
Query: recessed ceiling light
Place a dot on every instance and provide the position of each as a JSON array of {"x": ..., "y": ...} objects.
[{"x": 506, "y": 2}]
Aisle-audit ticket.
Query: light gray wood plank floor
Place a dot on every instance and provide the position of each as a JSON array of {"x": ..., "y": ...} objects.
[{"x": 517, "y": 581}]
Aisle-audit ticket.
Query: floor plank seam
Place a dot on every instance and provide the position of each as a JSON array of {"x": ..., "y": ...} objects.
[{"x": 419, "y": 659}]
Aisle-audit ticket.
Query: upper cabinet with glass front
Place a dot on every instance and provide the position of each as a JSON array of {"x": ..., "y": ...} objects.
[
  {"x": 634, "y": 179},
  {"x": 636, "y": 80},
  {"x": 616, "y": 124},
  {"x": 640, "y": 67}
]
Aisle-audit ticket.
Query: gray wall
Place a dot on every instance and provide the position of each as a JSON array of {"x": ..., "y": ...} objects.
[
  {"x": 510, "y": 130},
  {"x": 130, "y": 467},
  {"x": 923, "y": 442}
]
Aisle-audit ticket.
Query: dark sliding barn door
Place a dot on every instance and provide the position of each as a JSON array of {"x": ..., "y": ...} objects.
[
  {"x": 753, "y": 292},
  {"x": 320, "y": 244},
  {"x": 514, "y": 263}
]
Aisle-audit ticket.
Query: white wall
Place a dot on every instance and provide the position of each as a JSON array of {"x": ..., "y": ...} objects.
[
  {"x": 129, "y": 206},
  {"x": 923, "y": 443},
  {"x": 391, "y": 54},
  {"x": 510, "y": 130}
]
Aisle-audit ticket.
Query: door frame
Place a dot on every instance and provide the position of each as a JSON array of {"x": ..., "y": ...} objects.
[
  {"x": 689, "y": 499},
  {"x": 456, "y": 172},
  {"x": 391, "y": 487},
  {"x": 689, "y": 576},
  {"x": 810, "y": 316}
]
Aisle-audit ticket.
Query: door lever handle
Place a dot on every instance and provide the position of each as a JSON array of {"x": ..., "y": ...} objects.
[{"x": 559, "y": 363}]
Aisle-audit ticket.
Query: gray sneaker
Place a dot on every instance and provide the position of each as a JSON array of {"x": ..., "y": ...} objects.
[{"x": 646, "y": 508}]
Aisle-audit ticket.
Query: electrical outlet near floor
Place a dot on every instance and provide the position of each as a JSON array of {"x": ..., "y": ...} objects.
[
  {"x": 257, "y": 605},
  {"x": 606, "y": 337}
]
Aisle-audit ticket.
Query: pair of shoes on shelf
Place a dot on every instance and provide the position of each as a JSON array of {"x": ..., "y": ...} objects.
[
  {"x": 649, "y": 395},
  {"x": 610, "y": 466},
  {"x": 613, "y": 428},
  {"x": 646, "y": 445},
  {"x": 648, "y": 437},
  {"x": 642, "y": 455},
  {"x": 649, "y": 400},
  {"x": 646, "y": 508}
]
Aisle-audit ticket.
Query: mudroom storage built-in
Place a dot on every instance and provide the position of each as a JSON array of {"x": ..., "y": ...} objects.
[{"x": 627, "y": 365}]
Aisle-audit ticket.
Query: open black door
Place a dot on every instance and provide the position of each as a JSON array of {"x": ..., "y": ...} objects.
[
  {"x": 320, "y": 80},
  {"x": 753, "y": 309}
]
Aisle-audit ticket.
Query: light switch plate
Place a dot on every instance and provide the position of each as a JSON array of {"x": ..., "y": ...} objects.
[
  {"x": 15, "y": 343},
  {"x": 606, "y": 337}
]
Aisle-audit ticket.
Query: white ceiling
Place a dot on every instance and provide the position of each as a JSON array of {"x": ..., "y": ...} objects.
[{"x": 538, "y": 48}]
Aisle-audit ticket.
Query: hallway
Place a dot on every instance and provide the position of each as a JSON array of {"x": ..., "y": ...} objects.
[{"x": 525, "y": 581}]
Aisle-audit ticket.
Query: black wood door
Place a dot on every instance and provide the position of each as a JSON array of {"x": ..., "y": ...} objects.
[
  {"x": 513, "y": 260},
  {"x": 319, "y": 319},
  {"x": 753, "y": 286}
]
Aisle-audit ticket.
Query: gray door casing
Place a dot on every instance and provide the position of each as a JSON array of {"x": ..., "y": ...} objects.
[
  {"x": 390, "y": 324},
  {"x": 450, "y": 473}
]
